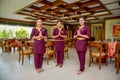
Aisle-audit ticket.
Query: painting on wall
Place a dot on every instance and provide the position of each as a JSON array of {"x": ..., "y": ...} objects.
[
  {"x": 116, "y": 30},
  {"x": 98, "y": 31}
]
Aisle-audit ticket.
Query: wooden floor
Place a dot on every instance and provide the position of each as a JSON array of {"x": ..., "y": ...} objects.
[{"x": 10, "y": 69}]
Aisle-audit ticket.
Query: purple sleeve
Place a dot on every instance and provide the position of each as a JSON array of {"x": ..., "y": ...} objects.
[
  {"x": 45, "y": 33},
  {"x": 75, "y": 32},
  {"x": 54, "y": 32},
  {"x": 88, "y": 32},
  {"x": 65, "y": 32},
  {"x": 32, "y": 33}
]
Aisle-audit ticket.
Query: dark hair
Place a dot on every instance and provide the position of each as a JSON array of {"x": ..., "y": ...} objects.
[
  {"x": 59, "y": 21},
  {"x": 40, "y": 19},
  {"x": 78, "y": 25},
  {"x": 84, "y": 17}
]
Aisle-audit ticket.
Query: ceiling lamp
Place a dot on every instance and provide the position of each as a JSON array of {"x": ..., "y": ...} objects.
[{"x": 75, "y": 12}]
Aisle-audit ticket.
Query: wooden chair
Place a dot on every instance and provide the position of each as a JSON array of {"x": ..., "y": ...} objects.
[
  {"x": 96, "y": 51},
  {"x": 50, "y": 51},
  {"x": 2, "y": 45},
  {"x": 13, "y": 44},
  {"x": 29, "y": 44},
  {"x": 117, "y": 57},
  {"x": 66, "y": 42},
  {"x": 7, "y": 45},
  {"x": 73, "y": 42},
  {"x": 23, "y": 51}
]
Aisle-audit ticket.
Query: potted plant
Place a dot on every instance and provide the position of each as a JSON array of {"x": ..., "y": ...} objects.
[{"x": 21, "y": 33}]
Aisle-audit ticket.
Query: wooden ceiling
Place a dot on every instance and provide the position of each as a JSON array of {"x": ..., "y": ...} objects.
[{"x": 67, "y": 10}]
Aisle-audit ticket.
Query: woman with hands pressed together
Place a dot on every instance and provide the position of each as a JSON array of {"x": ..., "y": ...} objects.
[
  {"x": 38, "y": 34},
  {"x": 82, "y": 33},
  {"x": 59, "y": 34}
]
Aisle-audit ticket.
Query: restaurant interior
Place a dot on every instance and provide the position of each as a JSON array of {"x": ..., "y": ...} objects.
[{"x": 18, "y": 18}]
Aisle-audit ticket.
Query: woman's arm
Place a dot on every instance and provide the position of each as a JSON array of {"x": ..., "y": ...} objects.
[
  {"x": 75, "y": 34},
  {"x": 45, "y": 35},
  {"x": 88, "y": 35},
  {"x": 64, "y": 35},
  {"x": 32, "y": 36},
  {"x": 54, "y": 35}
]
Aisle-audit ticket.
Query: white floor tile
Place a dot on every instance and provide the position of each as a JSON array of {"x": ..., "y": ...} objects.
[{"x": 10, "y": 69}]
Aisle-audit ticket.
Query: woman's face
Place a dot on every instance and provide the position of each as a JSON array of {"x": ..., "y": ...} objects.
[
  {"x": 39, "y": 23},
  {"x": 59, "y": 24},
  {"x": 81, "y": 21}
]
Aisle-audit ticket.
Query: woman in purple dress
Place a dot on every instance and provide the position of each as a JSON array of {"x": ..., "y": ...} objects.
[
  {"x": 59, "y": 34},
  {"x": 82, "y": 33},
  {"x": 39, "y": 34}
]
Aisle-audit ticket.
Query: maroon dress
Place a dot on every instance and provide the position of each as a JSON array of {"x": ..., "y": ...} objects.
[
  {"x": 38, "y": 47},
  {"x": 81, "y": 46},
  {"x": 59, "y": 45}
]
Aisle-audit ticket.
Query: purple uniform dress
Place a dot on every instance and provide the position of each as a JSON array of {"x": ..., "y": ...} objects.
[
  {"x": 38, "y": 47},
  {"x": 59, "y": 45},
  {"x": 81, "y": 46}
]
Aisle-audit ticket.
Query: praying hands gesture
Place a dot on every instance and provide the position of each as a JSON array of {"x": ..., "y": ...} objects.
[
  {"x": 59, "y": 34},
  {"x": 64, "y": 36},
  {"x": 39, "y": 36},
  {"x": 78, "y": 34}
]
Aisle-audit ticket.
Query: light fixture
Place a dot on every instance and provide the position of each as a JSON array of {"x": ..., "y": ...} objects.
[
  {"x": 52, "y": 13},
  {"x": 75, "y": 12},
  {"x": 63, "y": 15}
]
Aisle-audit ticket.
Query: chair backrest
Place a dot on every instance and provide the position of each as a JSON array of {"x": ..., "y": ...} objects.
[
  {"x": 66, "y": 42},
  {"x": 1, "y": 42},
  {"x": 29, "y": 44},
  {"x": 111, "y": 49},
  {"x": 7, "y": 42},
  {"x": 19, "y": 45},
  {"x": 95, "y": 47},
  {"x": 50, "y": 44},
  {"x": 118, "y": 48}
]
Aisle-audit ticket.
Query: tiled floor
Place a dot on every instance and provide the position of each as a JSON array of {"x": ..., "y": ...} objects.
[{"x": 10, "y": 69}]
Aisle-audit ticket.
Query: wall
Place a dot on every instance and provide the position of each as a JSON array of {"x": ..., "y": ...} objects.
[
  {"x": 109, "y": 27},
  {"x": 49, "y": 29}
]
